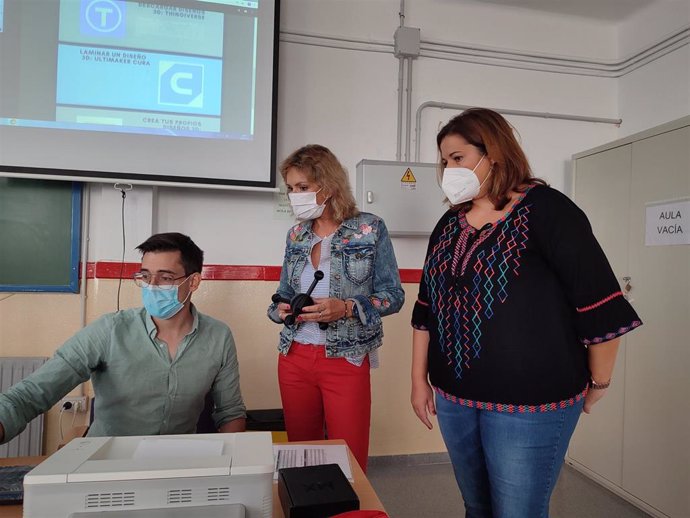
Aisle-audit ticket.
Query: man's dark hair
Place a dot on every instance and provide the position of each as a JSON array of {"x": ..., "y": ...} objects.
[{"x": 192, "y": 255}]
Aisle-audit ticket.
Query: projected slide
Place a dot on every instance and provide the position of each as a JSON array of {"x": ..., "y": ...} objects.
[
  {"x": 180, "y": 90},
  {"x": 140, "y": 67},
  {"x": 95, "y": 84}
]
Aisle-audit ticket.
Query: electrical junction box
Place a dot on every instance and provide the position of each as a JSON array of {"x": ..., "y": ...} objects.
[
  {"x": 406, "y": 195},
  {"x": 407, "y": 40}
]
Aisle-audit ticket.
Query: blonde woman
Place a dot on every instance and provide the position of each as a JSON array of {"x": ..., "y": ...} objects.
[{"x": 324, "y": 373}]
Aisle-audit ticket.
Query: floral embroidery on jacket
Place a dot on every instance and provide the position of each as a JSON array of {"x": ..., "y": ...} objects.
[
  {"x": 364, "y": 230},
  {"x": 379, "y": 302},
  {"x": 295, "y": 233}
]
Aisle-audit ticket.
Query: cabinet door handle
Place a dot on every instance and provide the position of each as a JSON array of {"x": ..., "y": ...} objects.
[{"x": 370, "y": 197}]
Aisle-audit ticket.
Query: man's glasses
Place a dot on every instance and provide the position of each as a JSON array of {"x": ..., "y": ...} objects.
[{"x": 164, "y": 281}]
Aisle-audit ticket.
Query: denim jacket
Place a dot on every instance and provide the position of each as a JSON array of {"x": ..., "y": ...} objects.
[{"x": 363, "y": 268}]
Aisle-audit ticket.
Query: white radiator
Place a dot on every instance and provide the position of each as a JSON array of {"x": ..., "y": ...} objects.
[{"x": 30, "y": 441}]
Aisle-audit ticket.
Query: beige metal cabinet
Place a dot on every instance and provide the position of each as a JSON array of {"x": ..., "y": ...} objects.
[
  {"x": 637, "y": 441},
  {"x": 405, "y": 194}
]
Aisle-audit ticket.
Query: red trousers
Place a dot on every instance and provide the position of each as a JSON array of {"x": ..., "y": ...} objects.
[{"x": 325, "y": 396}]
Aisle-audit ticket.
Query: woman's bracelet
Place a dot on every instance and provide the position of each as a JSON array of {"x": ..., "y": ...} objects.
[
  {"x": 599, "y": 386},
  {"x": 348, "y": 308}
]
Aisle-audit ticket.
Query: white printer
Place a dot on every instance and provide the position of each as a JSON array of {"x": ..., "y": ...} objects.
[{"x": 204, "y": 475}]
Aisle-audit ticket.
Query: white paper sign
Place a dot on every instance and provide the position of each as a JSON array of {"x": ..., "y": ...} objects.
[
  {"x": 667, "y": 223},
  {"x": 282, "y": 210}
]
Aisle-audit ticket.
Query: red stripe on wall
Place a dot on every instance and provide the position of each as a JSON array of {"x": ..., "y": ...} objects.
[
  {"x": 215, "y": 272},
  {"x": 227, "y": 272},
  {"x": 112, "y": 270}
]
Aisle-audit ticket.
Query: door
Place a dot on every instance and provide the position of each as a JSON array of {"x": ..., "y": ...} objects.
[
  {"x": 656, "y": 425},
  {"x": 602, "y": 189},
  {"x": 638, "y": 438}
]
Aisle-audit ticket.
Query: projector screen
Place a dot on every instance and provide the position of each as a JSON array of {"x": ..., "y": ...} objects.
[{"x": 166, "y": 92}]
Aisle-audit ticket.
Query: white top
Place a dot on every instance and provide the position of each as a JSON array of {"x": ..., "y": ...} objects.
[{"x": 309, "y": 332}]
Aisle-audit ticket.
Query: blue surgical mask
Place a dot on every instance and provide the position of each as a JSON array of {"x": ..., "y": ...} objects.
[{"x": 162, "y": 303}]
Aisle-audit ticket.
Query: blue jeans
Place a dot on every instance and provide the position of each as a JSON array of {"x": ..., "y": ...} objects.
[{"x": 506, "y": 465}]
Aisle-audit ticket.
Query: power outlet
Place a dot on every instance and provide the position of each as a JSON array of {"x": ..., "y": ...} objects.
[{"x": 78, "y": 403}]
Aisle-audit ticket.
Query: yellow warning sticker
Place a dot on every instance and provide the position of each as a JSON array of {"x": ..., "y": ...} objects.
[{"x": 408, "y": 177}]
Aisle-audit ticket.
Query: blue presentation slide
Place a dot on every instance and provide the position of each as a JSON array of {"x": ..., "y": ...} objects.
[
  {"x": 184, "y": 68},
  {"x": 252, "y": 4},
  {"x": 138, "y": 80}
]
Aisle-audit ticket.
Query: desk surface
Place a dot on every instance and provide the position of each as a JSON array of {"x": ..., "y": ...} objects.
[{"x": 366, "y": 493}]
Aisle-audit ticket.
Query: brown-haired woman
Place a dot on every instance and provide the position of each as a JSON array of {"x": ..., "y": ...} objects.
[
  {"x": 324, "y": 373},
  {"x": 517, "y": 322}
]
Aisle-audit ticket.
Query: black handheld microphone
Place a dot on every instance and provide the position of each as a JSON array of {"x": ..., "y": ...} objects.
[{"x": 299, "y": 301}]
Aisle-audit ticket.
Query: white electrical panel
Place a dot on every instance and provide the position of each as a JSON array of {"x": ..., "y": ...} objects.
[{"x": 405, "y": 194}]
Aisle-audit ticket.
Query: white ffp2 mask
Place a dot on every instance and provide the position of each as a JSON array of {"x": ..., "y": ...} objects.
[{"x": 460, "y": 184}]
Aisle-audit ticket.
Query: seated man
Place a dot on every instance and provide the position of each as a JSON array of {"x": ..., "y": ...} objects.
[{"x": 151, "y": 367}]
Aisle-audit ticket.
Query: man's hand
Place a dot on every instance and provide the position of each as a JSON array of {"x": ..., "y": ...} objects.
[{"x": 236, "y": 425}]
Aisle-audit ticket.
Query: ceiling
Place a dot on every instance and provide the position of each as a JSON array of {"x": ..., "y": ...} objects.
[{"x": 603, "y": 10}]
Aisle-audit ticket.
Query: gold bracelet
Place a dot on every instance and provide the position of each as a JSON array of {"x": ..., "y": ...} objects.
[{"x": 599, "y": 386}]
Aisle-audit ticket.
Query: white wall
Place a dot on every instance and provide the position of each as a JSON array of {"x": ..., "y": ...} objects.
[
  {"x": 459, "y": 21},
  {"x": 659, "y": 92},
  {"x": 656, "y": 93},
  {"x": 347, "y": 100},
  {"x": 652, "y": 23}
]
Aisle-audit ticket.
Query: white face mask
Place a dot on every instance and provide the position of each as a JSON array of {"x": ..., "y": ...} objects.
[
  {"x": 305, "y": 206},
  {"x": 460, "y": 184}
]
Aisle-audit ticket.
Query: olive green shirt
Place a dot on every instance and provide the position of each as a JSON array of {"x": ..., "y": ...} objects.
[{"x": 139, "y": 389}]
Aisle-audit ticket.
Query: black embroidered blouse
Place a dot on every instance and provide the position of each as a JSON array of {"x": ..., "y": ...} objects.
[{"x": 511, "y": 308}]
